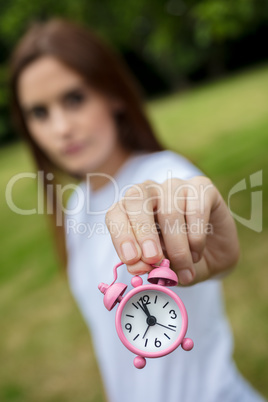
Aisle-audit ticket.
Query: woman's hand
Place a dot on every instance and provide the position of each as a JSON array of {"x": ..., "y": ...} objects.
[{"x": 186, "y": 221}]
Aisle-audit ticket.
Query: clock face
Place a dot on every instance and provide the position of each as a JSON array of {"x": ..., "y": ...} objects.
[{"x": 151, "y": 321}]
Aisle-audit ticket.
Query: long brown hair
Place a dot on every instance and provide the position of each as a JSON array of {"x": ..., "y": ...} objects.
[{"x": 100, "y": 66}]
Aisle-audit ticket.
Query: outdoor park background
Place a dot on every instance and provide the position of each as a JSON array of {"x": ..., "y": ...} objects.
[{"x": 204, "y": 67}]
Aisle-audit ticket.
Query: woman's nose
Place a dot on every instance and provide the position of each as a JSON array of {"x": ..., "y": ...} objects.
[{"x": 60, "y": 124}]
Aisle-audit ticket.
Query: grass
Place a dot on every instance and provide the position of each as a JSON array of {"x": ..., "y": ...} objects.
[{"x": 45, "y": 348}]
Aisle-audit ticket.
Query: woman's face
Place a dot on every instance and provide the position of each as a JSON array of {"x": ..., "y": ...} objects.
[{"x": 71, "y": 123}]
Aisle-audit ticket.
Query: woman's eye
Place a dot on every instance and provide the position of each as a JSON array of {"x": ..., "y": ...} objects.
[
  {"x": 74, "y": 99},
  {"x": 40, "y": 113}
]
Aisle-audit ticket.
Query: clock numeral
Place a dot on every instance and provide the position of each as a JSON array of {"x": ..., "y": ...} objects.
[
  {"x": 174, "y": 315},
  {"x": 128, "y": 327},
  {"x": 146, "y": 299},
  {"x": 157, "y": 343}
]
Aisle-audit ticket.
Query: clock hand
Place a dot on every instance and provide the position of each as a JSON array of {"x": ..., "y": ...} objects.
[
  {"x": 166, "y": 327},
  {"x": 146, "y": 331},
  {"x": 145, "y": 308},
  {"x": 142, "y": 308}
]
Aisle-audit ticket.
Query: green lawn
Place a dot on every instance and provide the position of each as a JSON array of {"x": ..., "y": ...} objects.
[{"x": 45, "y": 348}]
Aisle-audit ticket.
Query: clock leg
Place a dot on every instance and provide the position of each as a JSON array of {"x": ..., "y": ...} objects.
[
  {"x": 187, "y": 344},
  {"x": 139, "y": 362}
]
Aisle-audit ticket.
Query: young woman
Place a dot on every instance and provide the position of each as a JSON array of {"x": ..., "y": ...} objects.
[{"x": 81, "y": 114}]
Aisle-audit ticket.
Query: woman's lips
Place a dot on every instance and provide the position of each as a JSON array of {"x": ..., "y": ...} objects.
[{"x": 73, "y": 149}]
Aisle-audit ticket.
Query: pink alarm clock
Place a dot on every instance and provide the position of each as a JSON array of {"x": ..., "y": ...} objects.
[{"x": 151, "y": 320}]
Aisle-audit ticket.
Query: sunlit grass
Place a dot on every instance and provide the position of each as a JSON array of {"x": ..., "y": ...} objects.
[{"x": 45, "y": 348}]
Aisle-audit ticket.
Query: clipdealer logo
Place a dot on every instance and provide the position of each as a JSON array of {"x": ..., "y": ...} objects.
[
  {"x": 83, "y": 198},
  {"x": 256, "y": 209}
]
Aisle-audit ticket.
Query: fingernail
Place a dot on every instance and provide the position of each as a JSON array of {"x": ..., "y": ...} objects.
[
  {"x": 195, "y": 256},
  {"x": 185, "y": 276},
  {"x": 129, "y": 250},
  {"x": 149, "y": 248}
]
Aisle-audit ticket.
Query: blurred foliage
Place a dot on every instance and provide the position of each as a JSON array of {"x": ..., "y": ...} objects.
[
  {"x": 175, "y": 33},
  {"x": 6, "y": 132},
  {"x": 177, "y": 37}
]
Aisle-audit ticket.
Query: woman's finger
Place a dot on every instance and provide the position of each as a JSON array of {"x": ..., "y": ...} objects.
[
  {"x": 139, "y": 203},
  {"x": 122, "y": 235},
  {"x": 200, "y": 197},
  {"x": 133, "y": 229},
  {"x": 172, "y": 223}
]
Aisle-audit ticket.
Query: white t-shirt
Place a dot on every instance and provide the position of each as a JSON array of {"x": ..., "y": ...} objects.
[{"x": 205, "y": 374}]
